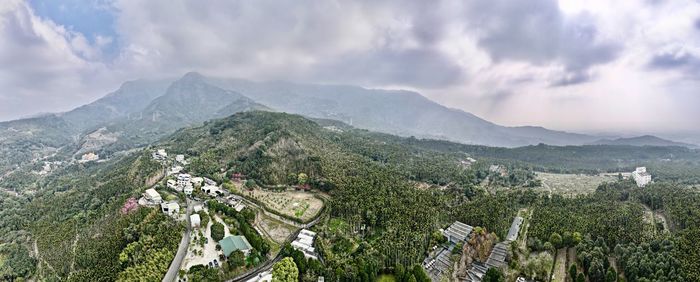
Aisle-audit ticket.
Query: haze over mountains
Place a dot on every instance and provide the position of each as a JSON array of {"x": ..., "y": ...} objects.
[{"x": 142, "y": 111}]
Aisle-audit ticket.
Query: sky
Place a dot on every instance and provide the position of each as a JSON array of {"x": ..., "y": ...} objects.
[{"x": 586, "y": 66}]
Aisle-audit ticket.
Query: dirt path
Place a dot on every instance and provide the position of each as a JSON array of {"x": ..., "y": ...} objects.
[{"x": 559, "y": 273}]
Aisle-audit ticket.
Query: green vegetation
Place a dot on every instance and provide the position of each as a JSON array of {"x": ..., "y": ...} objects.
[
  {"x": 380, "y": 216},
  {"x": 285, "y": 271}
]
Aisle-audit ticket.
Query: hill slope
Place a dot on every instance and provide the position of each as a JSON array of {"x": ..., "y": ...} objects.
[{"x": 646, "y": 140}]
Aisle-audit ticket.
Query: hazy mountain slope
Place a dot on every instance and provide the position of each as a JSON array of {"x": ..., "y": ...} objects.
[
  {"x": 396, "y": 112},
  {"x": 132, "y": 97},
  {"x": 188, "y": 101},
  {"x": 646, "y": 140}
]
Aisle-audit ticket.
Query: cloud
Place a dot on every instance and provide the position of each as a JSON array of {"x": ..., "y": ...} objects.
[
  {"x": 43, "y": 64},
  {"x": 566, "y": 64},
  {"x": 677, "y": 58},
  {"x": 538, "y": 32}
]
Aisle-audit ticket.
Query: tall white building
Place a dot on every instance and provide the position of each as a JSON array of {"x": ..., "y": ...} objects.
[{"x": 641, "y": 176}]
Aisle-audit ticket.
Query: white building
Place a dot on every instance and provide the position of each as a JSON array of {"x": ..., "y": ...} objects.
[
  {"x": 188, "y": 189},
  {"x": 183, "y": 179},
  {"x": 172, "y": 208},
  {"x": 180, "y": 158},
  {"x": 211, "y": 190},
  {"x": 197, "y": 181},
  {"x": 195, "y": 221},
  {"x": 305, "y": 243},
  {"x": 160, "y": 154},
  {"x": 152, "y": 196},
  {"x": 641, "y": 176},
  {"x": 172, "y": 184}
]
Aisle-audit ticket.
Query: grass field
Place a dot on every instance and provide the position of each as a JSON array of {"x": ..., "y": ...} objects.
[
  {"x": 302, "y": 205},
  {"x": 386, "y": 278},
  {"x": 572, "y": 184}
]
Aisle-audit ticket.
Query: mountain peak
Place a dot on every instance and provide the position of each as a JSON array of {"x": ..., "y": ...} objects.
[{"x": 192, "y": 76}]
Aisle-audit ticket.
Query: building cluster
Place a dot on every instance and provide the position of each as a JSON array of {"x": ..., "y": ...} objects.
[
  {"x": 305, "y": 243},
  {"x": 498, "y": 255},
  {"x": 233, "y": 201},
  {"x": 439, "y": 264},
  {"x": 641, "y": 176}
]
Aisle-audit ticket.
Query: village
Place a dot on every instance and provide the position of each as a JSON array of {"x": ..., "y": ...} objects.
[{"x": 232, "y": 227}]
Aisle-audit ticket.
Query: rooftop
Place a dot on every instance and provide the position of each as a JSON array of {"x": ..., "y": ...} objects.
[{"x": 231, "y": 244}]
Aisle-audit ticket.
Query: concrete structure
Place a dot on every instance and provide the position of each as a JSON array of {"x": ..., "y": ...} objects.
[
  {"x": 514, "y": 229},
  {"x": 180, "y": 158},
  {"x": 641, "y": 176},
  {"x": 172, "y": 208},
  {"x": 197, "y": 180},
  {"x": 152, "y": 196},
  {"x": 212, "y": 190},
  {"x": 160, "y": 154},
  {"x": 195, "y": 220},
  {"x": 231, "y": 244},
  {"x": 457, "y": 232},
  {"x": 188, "y": 190},
  {"x": 439, "y": 265},
  {"x": 183, "y": 179},
  {"x": 305, "y": 243}
]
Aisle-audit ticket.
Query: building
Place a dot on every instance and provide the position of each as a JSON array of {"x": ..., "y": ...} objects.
[
  {"x": 152, "y": 196},
  {"x": 514, "y": 229},
  {"x": 172, "y": 208},
  {"x": 457, "y": 232},
  {"x": 231, "y": 244},
  {"x": 197, "y": 181},
  {"x": 641, "y": 176},
  {"x": 209, "y": 181},
  {"x": 195, "y": 221},
  {"x": 180, "y": 158},
  {"x": 438, "y": 266},
  {"x": 160, "y": 155},
  {"x": 305, "y": 243},
  {"x": 188, "y": 190},
  {"x": 212, "y": 190},
  {"x": 183, "y": 179},
  {"x": 172, "y": 184}
]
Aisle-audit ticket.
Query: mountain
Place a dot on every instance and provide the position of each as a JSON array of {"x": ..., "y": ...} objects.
[
  {"x": 403, "y": 113},
  {"x": 188, "y": 101},
  {"x": 646, "y": 140}
]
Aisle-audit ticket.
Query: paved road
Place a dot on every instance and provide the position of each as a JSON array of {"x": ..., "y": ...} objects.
[{"x": 172, "y": 273}]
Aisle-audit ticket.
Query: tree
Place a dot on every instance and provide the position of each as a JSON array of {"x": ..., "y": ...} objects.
[
  {"x": 302, "y": 178},
  {"x": 285, "y": 271},
  {"x": 581, "y": 277},
  {"x": 236, "y": 259},
  {"x": 572, "y": 272},
  {"x": 494, "y": 275},
  {"x": 577, "y": 238},
  {"x": 420, "y": 274},
  {"x": 611, "y": 275},
  {"x": 217, "y": 231},
  {"x": 399, "y": 272},
  {"x": 556, "y": 240}
]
